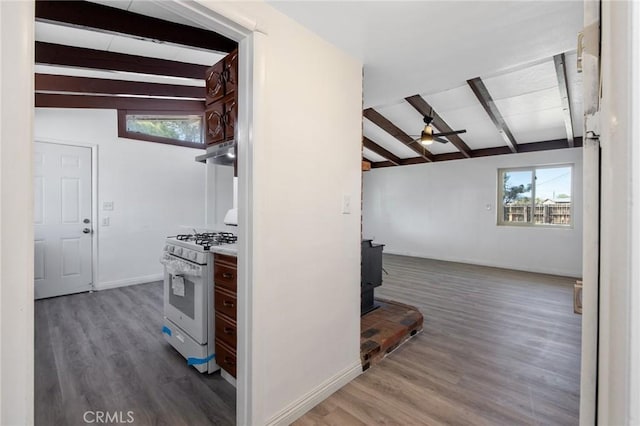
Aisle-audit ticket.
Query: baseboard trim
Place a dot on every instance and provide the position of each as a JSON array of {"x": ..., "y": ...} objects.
[
  {"x": 129, "y": 281},
  {"x": 316, "y": 396}
]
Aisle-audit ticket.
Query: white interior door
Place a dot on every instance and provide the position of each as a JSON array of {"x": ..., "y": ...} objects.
[{"x": 62, "y": 219}]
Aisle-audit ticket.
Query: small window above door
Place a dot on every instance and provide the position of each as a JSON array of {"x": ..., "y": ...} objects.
[{"x": 174, "y": 128}]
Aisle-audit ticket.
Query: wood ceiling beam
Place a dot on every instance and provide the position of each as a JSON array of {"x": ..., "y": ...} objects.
[
  {"x": 423, "y": 107},
  {"x": 414, "y": 160},
  {"x": 481, "y": 92},
  {"x": 48, "y": 100},
  {"x": 95, "y": 16},
  {"x": 485, "y": 152},
  {"x": 64, "y": 83},
  {"x": 379, "y": 120},
  {"x": 552, "y": 144},
  {"x": 57, "y": 54},
  {"x": 561, "y": 74},
  {"x": 381, "y": 164},
  {"x": 369, "y": 144}
]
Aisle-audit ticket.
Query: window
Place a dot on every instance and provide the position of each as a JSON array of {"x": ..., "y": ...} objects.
[
  {"x": 536, "y": 196},
  {"x": 175, "y": 128}
]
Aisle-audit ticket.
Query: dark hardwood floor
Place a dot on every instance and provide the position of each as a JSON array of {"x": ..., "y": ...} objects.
[
  {"x": 104, "y": 351},
  {"x": 499, "y": 347}
]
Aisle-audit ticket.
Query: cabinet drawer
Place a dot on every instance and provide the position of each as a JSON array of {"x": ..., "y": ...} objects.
[
  {"x": 226, "y": 330},
  {"x": 225, "y": 259},
  {"x": 226, "y": 357},
  {"x": 225, "y": 302},
  {"x": 225, "y": 276}
]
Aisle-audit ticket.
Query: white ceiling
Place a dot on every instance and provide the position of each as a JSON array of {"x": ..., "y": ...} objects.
[
  {"x": 148, "y": 8},
  {"x": 370, "y": 155},
  {"x": 77, "y": 37},
  {"x": 410, "y": 47},
  {"x": 528, "y": 97},
  {"x": 433, "y": 47}
]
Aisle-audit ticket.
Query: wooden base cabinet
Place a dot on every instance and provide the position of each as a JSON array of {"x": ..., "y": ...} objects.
[{"x": 226, "y": 297}]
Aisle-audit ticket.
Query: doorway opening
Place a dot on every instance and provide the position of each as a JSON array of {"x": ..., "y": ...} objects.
[{"x": 133, "y": 175}]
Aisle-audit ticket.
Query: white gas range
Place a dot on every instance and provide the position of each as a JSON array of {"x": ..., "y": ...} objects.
[{"x": 189, "y": 295}]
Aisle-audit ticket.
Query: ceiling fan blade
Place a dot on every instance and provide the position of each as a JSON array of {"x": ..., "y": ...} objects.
[
  {"x": 456, "y": 132},
  {"x": 440, "y": 140}
]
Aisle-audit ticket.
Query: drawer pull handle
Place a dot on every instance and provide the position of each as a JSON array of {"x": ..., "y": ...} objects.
[
  {"x": 229, "y": 361},
  {"x": 227, "y": 275},
  {"x": 228, "y": 303},
  {"x": 228, "y": 330}
]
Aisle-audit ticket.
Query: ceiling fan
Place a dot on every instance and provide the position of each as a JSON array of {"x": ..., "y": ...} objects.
[{"x": 427, "y": 137}]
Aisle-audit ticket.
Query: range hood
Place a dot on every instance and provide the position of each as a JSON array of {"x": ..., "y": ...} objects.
[{"x": 221, "y": 153}]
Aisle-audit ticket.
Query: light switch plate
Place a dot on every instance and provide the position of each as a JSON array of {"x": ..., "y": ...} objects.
[
  {"x": 106, "y": 221},
  {"x": 346, "y": 204}
]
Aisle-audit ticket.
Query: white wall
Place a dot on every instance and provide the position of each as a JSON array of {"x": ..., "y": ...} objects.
[
  {"x": 219, "y": 196},
  {"x": 439, "y": 211},
  {"x": 305, "y": 254},
  {"x": 155, "y": 188},
  {"x": 16, "y": 213}
]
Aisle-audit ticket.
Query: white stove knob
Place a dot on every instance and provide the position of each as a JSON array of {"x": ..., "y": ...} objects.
[
  {"x": 193, "y": 255},
  {"x": 179, "y": 251},
  {"x": 172, "y": 249}
]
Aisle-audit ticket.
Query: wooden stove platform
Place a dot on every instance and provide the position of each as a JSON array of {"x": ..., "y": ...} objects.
[{"x": 386, "y": 328}]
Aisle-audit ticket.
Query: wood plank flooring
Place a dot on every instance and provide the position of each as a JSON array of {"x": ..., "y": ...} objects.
[
  {"x": 104, "y": 351},
  {"x": 499, "y": 347}
]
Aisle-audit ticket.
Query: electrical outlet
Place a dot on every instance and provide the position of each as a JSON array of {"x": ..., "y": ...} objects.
[
  {"x": 346, "y": 204},
  {"x": 107, "y": 205},
  {"x": 105, "y": 221}
]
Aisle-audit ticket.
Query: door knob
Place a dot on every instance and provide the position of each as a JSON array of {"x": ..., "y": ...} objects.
[{"x": 86, "y": 230}]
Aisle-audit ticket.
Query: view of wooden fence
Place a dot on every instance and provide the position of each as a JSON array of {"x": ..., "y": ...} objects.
[{"x": 552, "y": 214}]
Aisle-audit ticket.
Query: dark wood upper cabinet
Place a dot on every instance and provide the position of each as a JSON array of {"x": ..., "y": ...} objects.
[
  {"x": 230, "y": 117},
  {"x": 215, "y": 83},
  {"x": 222, "y": 99},
  {"x": 231, "y": 72},
  {"x": 222, "y": 78},
  {"x": 215, "y": 123}
]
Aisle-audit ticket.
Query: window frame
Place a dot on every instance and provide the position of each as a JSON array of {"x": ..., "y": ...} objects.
[
  {"x": 500, "y": 198},
  {"x": 124, "y": 133}
]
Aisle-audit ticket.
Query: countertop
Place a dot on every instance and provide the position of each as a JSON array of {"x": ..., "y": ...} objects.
[{"x": 229, "y": 249}]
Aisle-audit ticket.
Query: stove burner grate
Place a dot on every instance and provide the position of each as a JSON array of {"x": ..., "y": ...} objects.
[{"x": 209, "y": 239}]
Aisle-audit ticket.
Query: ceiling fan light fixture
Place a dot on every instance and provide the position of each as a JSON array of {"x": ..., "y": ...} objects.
[{"x": 426, "y": 137}]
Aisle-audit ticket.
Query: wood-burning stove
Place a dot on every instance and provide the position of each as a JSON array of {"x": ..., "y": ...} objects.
[{"x": 370, "y": 274}]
